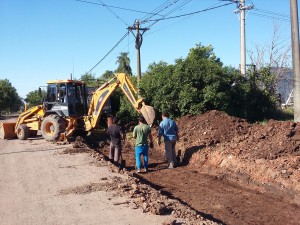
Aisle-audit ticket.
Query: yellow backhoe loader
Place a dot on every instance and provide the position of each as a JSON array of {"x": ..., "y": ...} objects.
[{"x": 66, "y": 109}]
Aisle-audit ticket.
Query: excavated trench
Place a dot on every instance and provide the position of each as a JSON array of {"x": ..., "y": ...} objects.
[{"x": 231, "y": 172}]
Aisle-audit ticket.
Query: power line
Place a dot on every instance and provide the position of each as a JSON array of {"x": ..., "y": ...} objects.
[
  {"x": 264, "y": 13},
  {"x": 170, "y": 12},
  {"x": 179, "y": 6},
  {"x": 192, "y": 13},
  {"x": 112, "y": 12},
  {"x": 159, "y": 9},
  {"x": 185, "y": 18},
  {"x": 269, "y": 16},
  {"x": 273, "y": 13},
  {"x": 111, "y": 6},
  {"x": 188, "y": 14},
  {"x": 122, "y": 38}
]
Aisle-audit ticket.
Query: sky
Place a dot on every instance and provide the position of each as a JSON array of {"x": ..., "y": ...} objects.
[{"x": 42, "y": 40}]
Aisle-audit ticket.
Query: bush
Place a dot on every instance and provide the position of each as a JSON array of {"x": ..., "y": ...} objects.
[{"x": 200, "y": 83}]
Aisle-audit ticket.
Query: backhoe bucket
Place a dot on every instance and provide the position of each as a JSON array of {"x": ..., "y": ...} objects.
[
  {"x": 7, "y": 130},
  {"x": 148, "y": 113}
]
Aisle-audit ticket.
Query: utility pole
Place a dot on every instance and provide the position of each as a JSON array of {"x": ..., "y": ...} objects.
[
  {"x": 241, "y": 8},
  {"x": 243, "y": 39},
  {"x": 138, "y": 44},
  {"x": 296, "y": 57}
]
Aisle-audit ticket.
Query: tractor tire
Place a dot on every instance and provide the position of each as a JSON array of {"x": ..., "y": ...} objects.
[
  {"x": 23, "y": 132},
  {"x": 52, "y": 127}
]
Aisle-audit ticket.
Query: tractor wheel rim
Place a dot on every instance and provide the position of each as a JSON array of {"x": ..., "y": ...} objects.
[{"x": 49, "y": 128}]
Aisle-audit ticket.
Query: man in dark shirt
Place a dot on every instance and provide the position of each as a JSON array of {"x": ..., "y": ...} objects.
[{"x": 116, "y": 135}]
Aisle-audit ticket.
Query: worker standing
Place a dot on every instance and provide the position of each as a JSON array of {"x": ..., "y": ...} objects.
[
  {"x": 116, "y": 135},
  {"x": 141, "y": 133},
  {"x": 169, "y": 130}
]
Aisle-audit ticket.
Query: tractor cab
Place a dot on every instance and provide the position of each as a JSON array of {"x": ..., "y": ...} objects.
[{"x": 66, "y": 98}]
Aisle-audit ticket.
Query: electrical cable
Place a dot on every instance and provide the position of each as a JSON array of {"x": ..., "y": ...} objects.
[
  {"x": 140, "y": 39},
  {"x": 153, "y": 12},
  {"x": 122, "y": 38},
  {"x": 173, "y": 10},
  {"x": 112, "y": 12},
  {"x": 111, "y": 6},
  {"x": 185, "y": 18},
  {"x": 269, "y": 17},
  {"x": 192, "y": 13},
  {"x": 159, "y": 9},
  {"x": 170, "y": 12},
  {"x": 273, "y": 14}
]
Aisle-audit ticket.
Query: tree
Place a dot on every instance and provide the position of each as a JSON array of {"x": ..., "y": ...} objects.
[
  {"x": 191, "y": 86},
  {"x": 200, "y": 83},
  {"x": 33, "y": 98},
  {"x": 252, "y": 97},
  {"x": 107, "y": 75},
  {"x": 89, "y": 79},
  {"x": 124, "y": 64},
  {"x": 156, "y": 83},
  {"x": 9, "y": 98},
  {"x": 276, "y": 56}
]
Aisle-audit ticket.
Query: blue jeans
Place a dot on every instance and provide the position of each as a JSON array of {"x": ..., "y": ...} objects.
[{"x": 141, "y": 150}]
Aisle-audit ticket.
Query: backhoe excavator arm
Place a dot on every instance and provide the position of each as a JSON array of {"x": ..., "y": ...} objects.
[{"x": 102, "y": 94}]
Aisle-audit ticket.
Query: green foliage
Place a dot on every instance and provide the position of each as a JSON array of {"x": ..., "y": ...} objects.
[
  {"x": 196, "y": 84},
  {"x": 9, "y": 99},
  {"x": 284, "y": 114},
  {"x": 200, "y": 83},
  {"x": 126, "y": 112},
  {"x": 33, "y": 98},
  {"x": 107, "y": 75},
  {"x": 124, "y": 64},
  {"x": 89, "y": 79},
  {"x": 156, "y": 87},
  {"x": 120, "y": 106},
  {"x": 191, "y": 86},
  {"x": 254, "y": 96}
]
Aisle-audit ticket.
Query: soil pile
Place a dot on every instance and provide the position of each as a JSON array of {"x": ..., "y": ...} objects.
[
  {"x": 265, "y": 156},
  {"x": 231, "y": 171}
]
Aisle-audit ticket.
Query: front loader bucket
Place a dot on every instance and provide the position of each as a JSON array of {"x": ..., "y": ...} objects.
[
  {"x": 7, "y": 130},
  {"x": 148, "y": 113}
]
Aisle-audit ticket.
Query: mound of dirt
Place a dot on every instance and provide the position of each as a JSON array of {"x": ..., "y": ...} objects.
[
  {"x": 266, "y": 156},
  {"x": 231, "y": 171}
]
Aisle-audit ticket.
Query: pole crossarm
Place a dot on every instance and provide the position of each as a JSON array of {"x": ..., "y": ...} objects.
[{"x": 138, "y": 43}]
